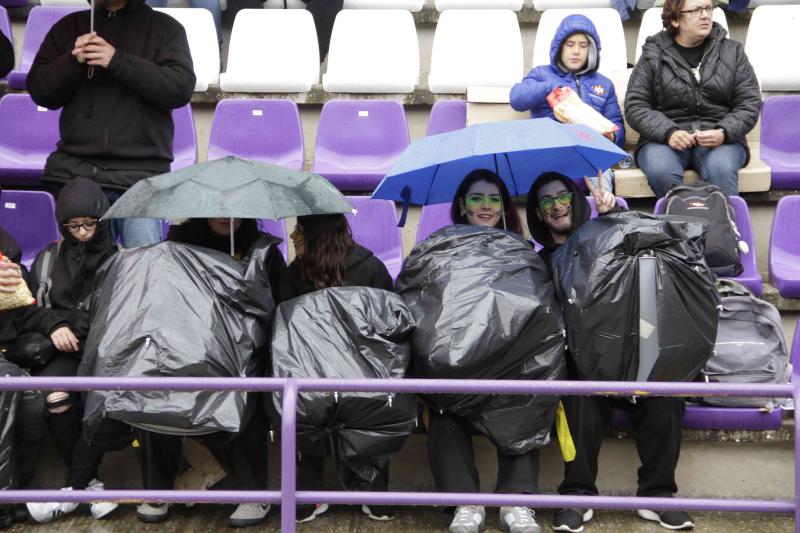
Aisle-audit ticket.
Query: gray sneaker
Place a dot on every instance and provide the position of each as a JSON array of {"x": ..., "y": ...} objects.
[
  {"x": 100, "y": 509},
  {"x": 518, "y": 520},
  {"x": 152, "y": 513},
  {"x": 249, "y": 514},
  {"x": 468, "y": 519}
]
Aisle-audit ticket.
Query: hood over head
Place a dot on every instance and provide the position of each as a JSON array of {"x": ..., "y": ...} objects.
[
  {"x": 571, "y": 25},
  {"x": 581, "y": 210}
]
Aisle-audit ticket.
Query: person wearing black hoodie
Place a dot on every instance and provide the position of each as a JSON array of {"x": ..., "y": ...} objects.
[
  {"x": 117, "y": 86},
  {"x": 6, "y": 55},
  {"x": 556, "y": 208},
  {"x": 327, "y": 256},
  {"x": 62, "y": 279},
  {"x": 244, "y": 456}
]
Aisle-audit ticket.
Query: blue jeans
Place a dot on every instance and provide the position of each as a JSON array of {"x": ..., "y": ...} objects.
[
  {"x": 133, "y": 232},
  {"x": 211, "y": 5},
  {"x": 664, "y": 166}
]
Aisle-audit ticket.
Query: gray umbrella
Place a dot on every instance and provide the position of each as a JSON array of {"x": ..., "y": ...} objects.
[{"x": 230, "y": 187}]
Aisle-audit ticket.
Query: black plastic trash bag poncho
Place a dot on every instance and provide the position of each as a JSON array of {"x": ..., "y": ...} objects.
[
  {"x": 174, "y": 310},
  {"x": 346, "y": 333},
  {"x": 597, "y": 282},
  {"x": 9, "y": 400},
  {"x": 485, "y": 309}
]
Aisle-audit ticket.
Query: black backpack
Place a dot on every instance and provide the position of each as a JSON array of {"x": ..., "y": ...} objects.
[{"x": 711, "y": 204}]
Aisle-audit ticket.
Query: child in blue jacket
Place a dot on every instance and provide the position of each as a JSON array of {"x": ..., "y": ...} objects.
[{"x": 574, "y": 59}]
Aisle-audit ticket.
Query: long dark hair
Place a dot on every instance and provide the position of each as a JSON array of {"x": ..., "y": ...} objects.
[
  {"x": 327, "y": 240},
  {"x": 513, "y": 222}
]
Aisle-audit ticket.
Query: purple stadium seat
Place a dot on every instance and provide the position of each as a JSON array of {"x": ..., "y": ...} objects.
[
  {"x": 784, "y": 248},
  {"x": 263, "y": 130},
  {"x": 29, "y": 134},
  {"x": 184, "y": 143},
  {"x": 358, "y": 142},
  {"x": 780, "y": 144},
  {"x": 750, "y": 276},
  {"x": 29, "y": 216},
  {"x": 276, "y": 228},
  {"x": 447, "y": 115},
  {"x": 375, "y": 228},
  {"x": 433, "y": 217},
  {"x": 40, "y": 20}
]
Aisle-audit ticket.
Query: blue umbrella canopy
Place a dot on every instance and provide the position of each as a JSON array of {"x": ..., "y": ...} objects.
[
  {"x": 431, "y": 169},
  {"x": 230, "y": 187}
]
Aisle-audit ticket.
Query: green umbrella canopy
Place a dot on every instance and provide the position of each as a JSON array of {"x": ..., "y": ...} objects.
[{"x": 230, "y": 187}]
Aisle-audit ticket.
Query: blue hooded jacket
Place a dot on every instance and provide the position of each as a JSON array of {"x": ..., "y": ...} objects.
[{"x": 592, "y": 87}]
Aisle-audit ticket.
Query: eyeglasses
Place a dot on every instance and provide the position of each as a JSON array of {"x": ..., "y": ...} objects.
[
  {"x": 548, "y": 202},
  {"x": 88, "y": 226},
  {"x": 696, "y": 13},
  {"x": 476, "y": 201}
]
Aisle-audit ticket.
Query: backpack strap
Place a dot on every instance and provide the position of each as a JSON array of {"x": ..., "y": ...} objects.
[
  {"x": 729, "y": 287},
  {"x": 45, "y": 268}
]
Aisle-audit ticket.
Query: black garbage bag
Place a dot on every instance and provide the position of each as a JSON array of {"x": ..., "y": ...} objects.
[
  {"x": 485, "y": 309},
  {"x": 176, "y": 310},
  {"x": 597, "y": 282},
  {"x": 346, "y": 333},
  {"x": 9, "y": 401}
]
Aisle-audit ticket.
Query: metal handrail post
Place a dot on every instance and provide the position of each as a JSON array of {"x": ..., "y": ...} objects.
[{"x": 288, "y": 452}]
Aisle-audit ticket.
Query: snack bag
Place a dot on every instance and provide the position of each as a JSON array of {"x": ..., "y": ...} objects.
[
  {"x": 570, "y": 108},
  {"x": 19, "y": 298}
]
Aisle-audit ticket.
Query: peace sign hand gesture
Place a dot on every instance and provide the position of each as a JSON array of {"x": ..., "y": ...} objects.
[{"x": 603, "y": 199}]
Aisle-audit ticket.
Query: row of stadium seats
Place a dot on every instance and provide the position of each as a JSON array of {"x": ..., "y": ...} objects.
[
  {"x": 376, "y": 50},
  {"x": 29, "y": 217},
  {"x": 357, "y": 140}
]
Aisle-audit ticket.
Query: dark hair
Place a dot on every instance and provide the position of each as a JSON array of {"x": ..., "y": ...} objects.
[
  {"x": 327, "y": 240},
  {"x": 513, "y": 222},
  {"x": 543, "y": 179},
  {"x": 671, "y": 12}
]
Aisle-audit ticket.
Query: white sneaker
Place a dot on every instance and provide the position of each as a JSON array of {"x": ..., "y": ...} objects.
[
  {"x": 100, "y": 509},
  {"x": 48, "y": 511},
  {"x": 518, "y": 520},
  {"x": 249, "y": 514},
  {"x": 468, "y": 519}
]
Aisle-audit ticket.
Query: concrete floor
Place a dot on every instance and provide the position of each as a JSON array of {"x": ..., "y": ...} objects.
[{"x": 410, "y": 519}]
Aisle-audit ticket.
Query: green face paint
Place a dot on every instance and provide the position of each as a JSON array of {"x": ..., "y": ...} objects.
[
  {"x": 548, "y": 202},
  {"x": 476, "y": 201}
]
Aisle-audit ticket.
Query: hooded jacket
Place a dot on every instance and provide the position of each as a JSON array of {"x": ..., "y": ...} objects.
[
  {"x": 120, "y": 118},
  {"x": 362, "y": 269},
  {"x": 592, "y": 87},
  {"x": 74, "y": 266},
  {"x": 11, "y": 250},
  {"x": 663, "y": 94}
]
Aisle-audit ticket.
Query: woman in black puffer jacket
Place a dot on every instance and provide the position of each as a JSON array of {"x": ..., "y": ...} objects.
[{"x": 693, "y": 96}]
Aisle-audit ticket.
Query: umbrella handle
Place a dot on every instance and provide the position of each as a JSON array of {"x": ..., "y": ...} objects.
[{"x": 405, "y": 194}]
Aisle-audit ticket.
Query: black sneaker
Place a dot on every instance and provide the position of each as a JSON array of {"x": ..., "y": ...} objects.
[
  {"x": 571, "y": 519},
  {"x": 378, "y": 512},
  {"x": 307, "y": 513},
  {"x": 668, "y": 519}
]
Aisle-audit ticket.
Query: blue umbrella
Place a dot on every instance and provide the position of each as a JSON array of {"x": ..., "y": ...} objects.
[{"x": 431, "y": 169}]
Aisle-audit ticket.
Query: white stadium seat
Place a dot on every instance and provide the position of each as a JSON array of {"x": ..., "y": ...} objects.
[
  {"x": 473, "y": 47},
  {"x": 651, "y": 24},
  {"x": 543, "y": 5},
  {"x": 514, "y": 5},
  {"x": 272, "y": 51},
  {"x": 203, "y": 44},
  {"x": 613, "y": 54},
  {"x": 373, "y": 51},
  {"x": 771, "y": 47}
]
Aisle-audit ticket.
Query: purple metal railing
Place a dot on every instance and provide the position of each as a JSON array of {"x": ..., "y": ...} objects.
[{"x": 288, "y": 496}]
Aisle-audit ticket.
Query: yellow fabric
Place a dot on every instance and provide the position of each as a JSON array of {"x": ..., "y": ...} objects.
[{"x": 564, "y": 435}]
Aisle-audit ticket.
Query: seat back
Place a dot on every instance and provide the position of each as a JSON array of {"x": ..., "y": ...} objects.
[
  {"x": 447, "y": 115},
  {"x": 784, "y": 228},
  {"x": 771, "y": 29},
  {"x": 514, "y": 5},
  {"x": 651, "y": 24},
  {"x": 613, "y": 53},
  {"x": 29, "y": 216},
  {"x": 203, "y": 45},
  {"x": 780, "y": 144},
  {"x": 433, "y": 217},
  {"x": 373, "y": 51},
  {"x": 184, "y": 143},
  {"x": 272, "y": 51},
  {"x": 410, "y": 5},
  {"x": 262, "y": 130},
  {"x": 40, "y": 20},
  {"x": 475, "y": 47},
  {"x": 28, "y": 136},
  {"x": 276, "y": 228},
  {"x": 543, "y": 5},
  {"x": 374, "y": 227}
]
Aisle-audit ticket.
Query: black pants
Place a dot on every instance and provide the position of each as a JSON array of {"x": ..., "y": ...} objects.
[
  {"x": 29, "y": 435},
  {"x": 657, "y": 422},
  {"x": 111, "y": 435},
  {"x": 367, "y": 474},
  {"x": 244, "y": 456},
  {"x": 452, "y": 460}
]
